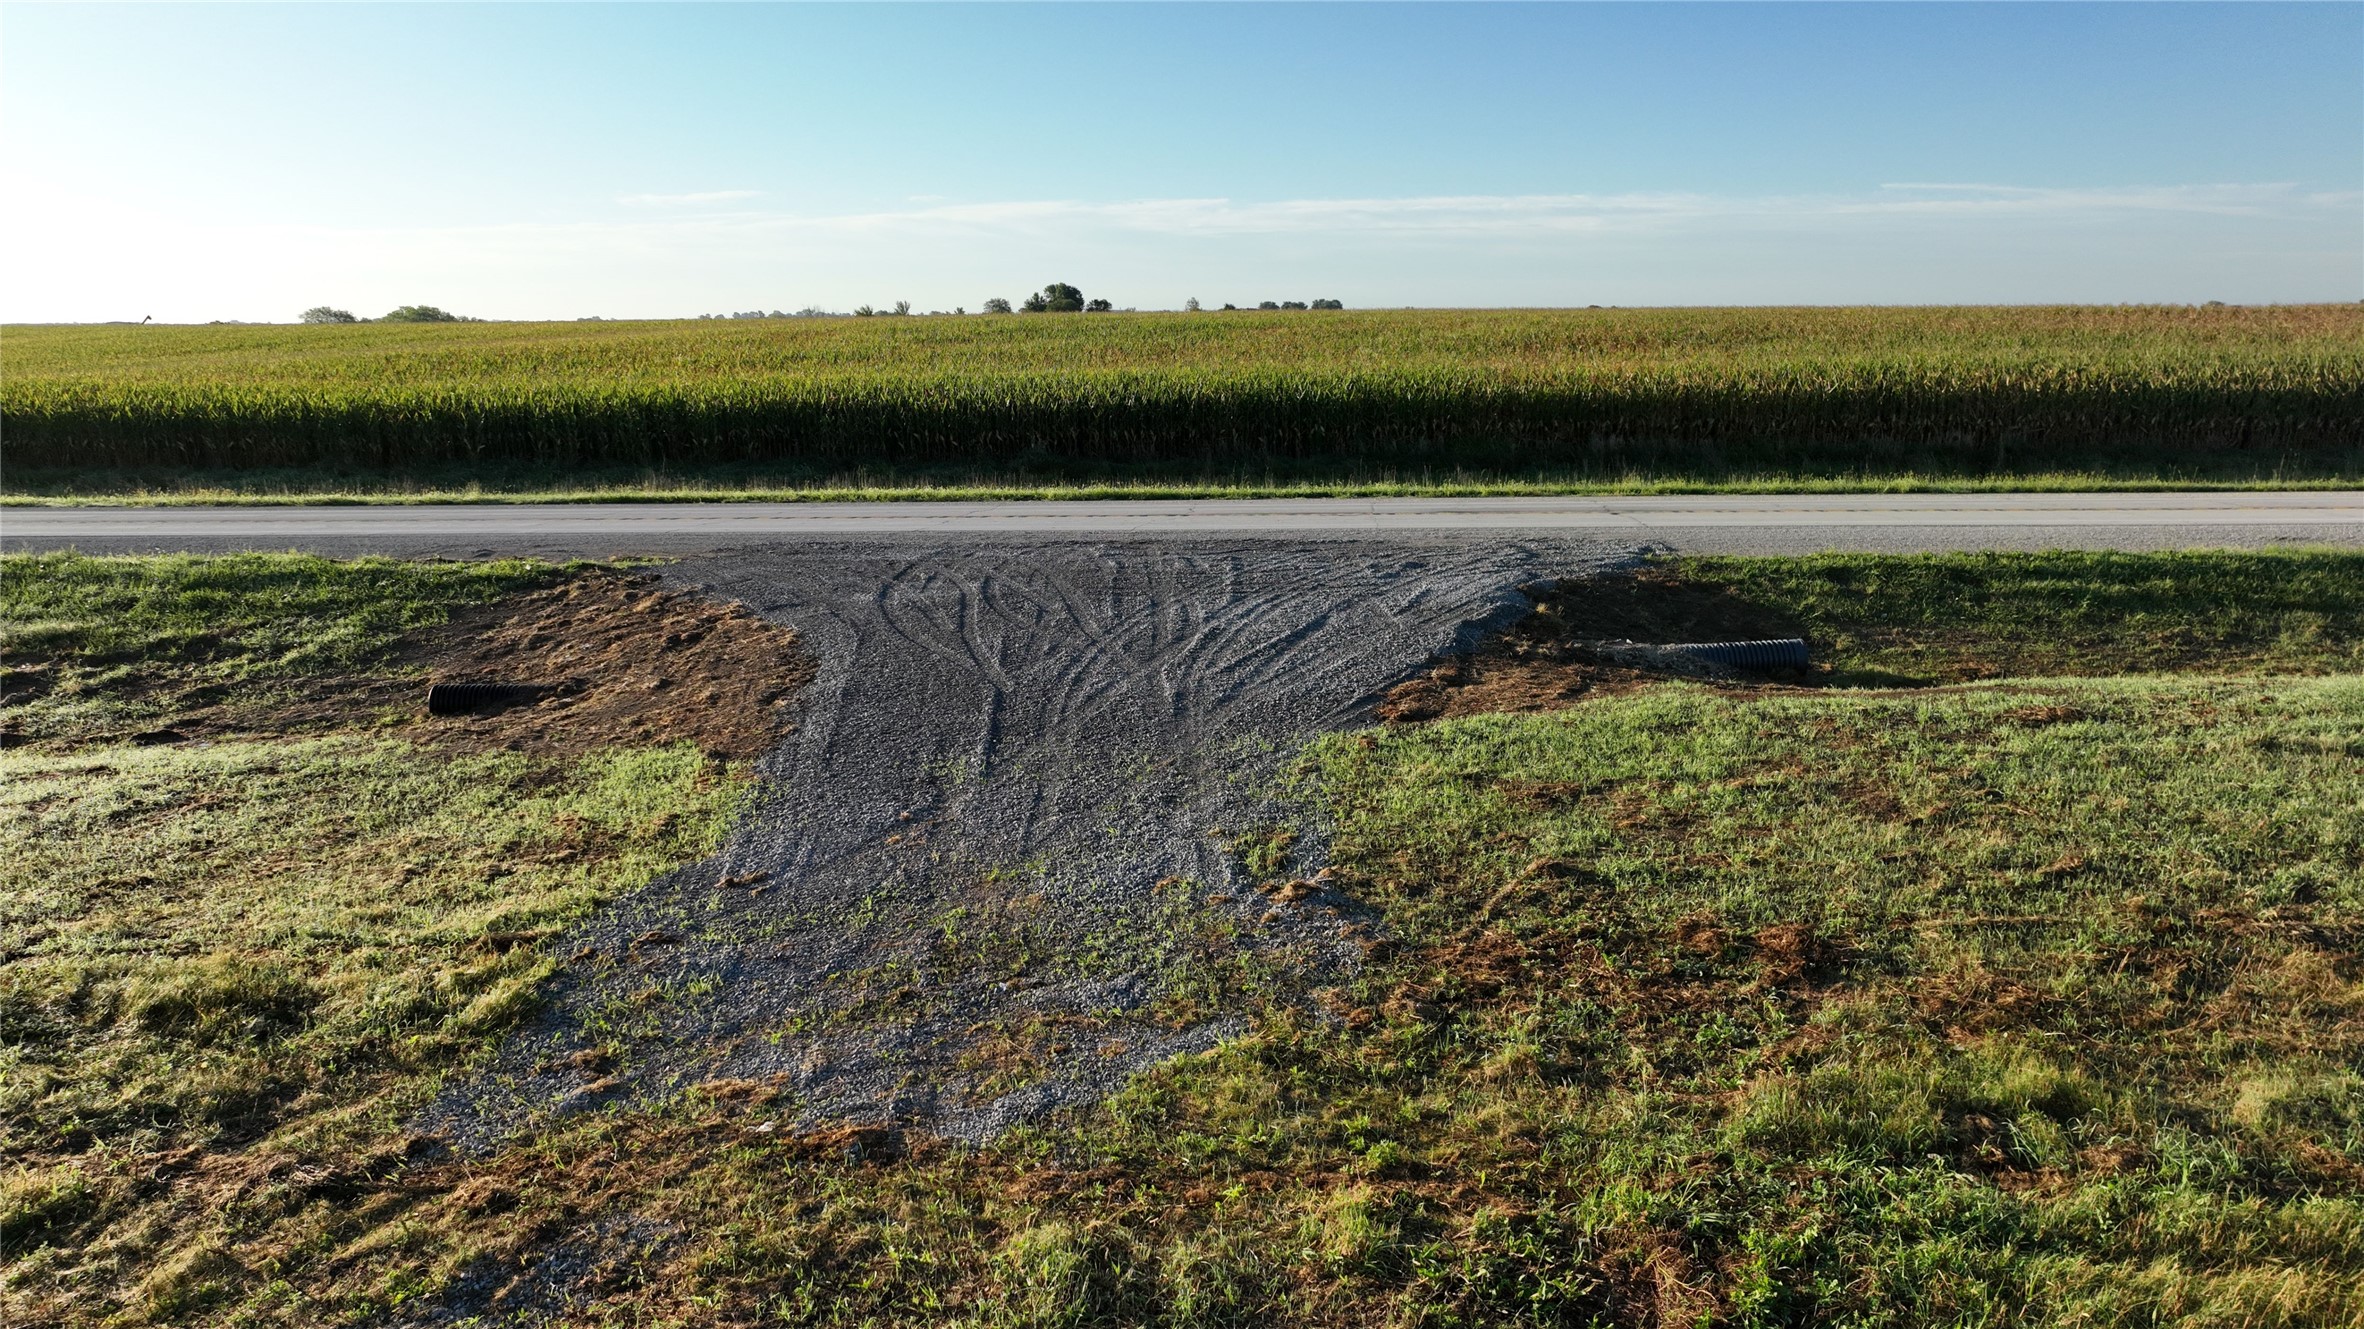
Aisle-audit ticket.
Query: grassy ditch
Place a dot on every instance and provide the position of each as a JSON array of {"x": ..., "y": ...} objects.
[
  {"x": 2017, "y": 988},
  {"x": 240, "y": 942},
  {"x": 1485, "y": 398},
  {"x": 89, "y": 644},
  {"x": 1913, "y": 621}
]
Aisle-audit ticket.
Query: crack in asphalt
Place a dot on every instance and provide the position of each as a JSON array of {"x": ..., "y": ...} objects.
[{"x": 992, "y": 872}]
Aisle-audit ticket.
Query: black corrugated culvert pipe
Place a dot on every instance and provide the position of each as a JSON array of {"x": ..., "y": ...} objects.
[
  {"x": 468, "y": 698},
  {"x": 1779, "y": 653}
]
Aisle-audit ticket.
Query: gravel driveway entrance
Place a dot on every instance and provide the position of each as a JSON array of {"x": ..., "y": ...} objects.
[{"x": 1012, "y": 852}]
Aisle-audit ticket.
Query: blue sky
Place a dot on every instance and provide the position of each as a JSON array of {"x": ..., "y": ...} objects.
[{"x": 550, "y": 160}]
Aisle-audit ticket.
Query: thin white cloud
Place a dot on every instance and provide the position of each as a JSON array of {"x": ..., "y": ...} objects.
[
  {"x": 1499, "y": 216},
  {"x": 689, "y": 200},
  {"x": 1902, "y": 243},
  {"x": 2253, "y": 200},
  {"x": 1481, "y": 214}
]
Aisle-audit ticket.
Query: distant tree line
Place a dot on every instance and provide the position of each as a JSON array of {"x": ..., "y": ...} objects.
[
  {"x": 1056, "y": 298},
  {"x": 1061, "y": 298},
  {"x": 406, "y": 314}
]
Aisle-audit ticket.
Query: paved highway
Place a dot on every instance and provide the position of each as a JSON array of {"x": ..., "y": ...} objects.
[{"x": 1760, "y": 523}]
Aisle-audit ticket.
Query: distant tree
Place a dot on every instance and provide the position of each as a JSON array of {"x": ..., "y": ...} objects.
[
  {"x": 1266, "y": 304},
  {"x": 1056, "y": 298},
  {"x": 864, "y": 311},
  {"x": 421, "y": 314},
  {"x": 1327, "y": 304},
  {"x": 1230, "y": 306},
  {"x": 1190, "y": 306},
  {"x": 902, "y": 307},
  {"x": 324, "y": 314},
  {"x": 997, "y": 305},
  {"x": 1097, "y": 307},
  {"x": 960, "y": 309},
  {"x": 1292, "y": 304}
]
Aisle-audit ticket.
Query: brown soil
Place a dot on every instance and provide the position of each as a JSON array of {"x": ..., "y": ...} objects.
[
  {"x": 1651, "y": 604},
  {"x": 1541, "y": 663},
  {"x": 627, "y": 663},
  {"x": 1497, "y": 680}
]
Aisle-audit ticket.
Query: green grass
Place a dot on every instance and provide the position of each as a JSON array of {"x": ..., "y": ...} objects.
[
  {"x": 91, "y": 642},
  {"x": 1947, "y": 618},
  {"x": 260, "y": 958},
  {"x": 240, "y": 615},
  {"x": 1567, "y": 397},
  {"x": 1818, "y": 1009},
  {"x": 225, "y": 965},
  {"x": 2032, "y": 1000},
  {"x": 2025, "y": 1002}
]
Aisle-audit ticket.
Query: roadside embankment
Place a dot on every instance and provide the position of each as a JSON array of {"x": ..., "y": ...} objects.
[{"x": 2000, "y": 966}]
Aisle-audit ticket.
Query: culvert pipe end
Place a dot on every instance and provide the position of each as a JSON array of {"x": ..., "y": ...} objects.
[
  {"x": 468, "y": 698},
  {"x": 1777, "y": 653}
]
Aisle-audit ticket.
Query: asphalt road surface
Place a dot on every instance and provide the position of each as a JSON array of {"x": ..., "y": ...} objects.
[{"x": 1742, "y": 523}]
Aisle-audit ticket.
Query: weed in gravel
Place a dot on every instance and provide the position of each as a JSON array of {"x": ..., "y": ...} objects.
[{"x": 1266, "y": 853}]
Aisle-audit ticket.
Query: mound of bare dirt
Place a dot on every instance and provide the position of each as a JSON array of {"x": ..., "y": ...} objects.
[
  {"x": 626, "y": 662},
  {"x": 1580, "y": 642},
  {"x": 1496, "y": 680},
  {"x": 1652, "y": 604}
]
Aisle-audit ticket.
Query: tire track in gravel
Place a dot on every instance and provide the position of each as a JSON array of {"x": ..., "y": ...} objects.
[{"x": 994, "y": 857}]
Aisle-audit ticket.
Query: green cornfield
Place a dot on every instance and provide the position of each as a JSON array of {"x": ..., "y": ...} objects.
[{"x": 1979, "y": 391}]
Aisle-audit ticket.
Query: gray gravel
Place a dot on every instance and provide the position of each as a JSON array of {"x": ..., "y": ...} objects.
[{"x": 994, "y": 870}]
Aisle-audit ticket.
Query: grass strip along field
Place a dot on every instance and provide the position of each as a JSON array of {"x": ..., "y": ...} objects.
[
  {"x": 1621, "y": 398},
  {"x": 2031, "y": 1000}
]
